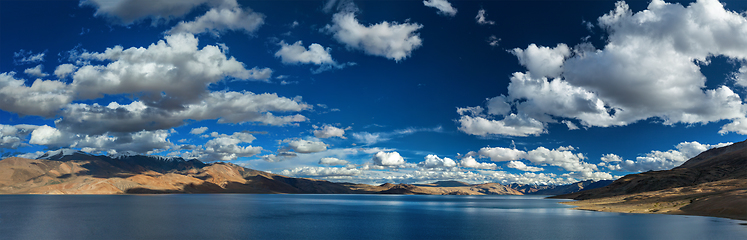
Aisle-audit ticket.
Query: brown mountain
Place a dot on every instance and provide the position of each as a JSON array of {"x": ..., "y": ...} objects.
[
  {"x": 714, "y": 183},
  {"x": 71, "y": 172}
]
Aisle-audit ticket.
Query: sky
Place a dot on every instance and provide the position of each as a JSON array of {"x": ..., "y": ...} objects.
[{"x": 531, "y": 92}]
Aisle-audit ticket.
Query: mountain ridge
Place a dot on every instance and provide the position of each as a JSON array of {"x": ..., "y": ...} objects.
[
  {"x": 713, "y": 183},
  {"x": 69, "y": 171}
]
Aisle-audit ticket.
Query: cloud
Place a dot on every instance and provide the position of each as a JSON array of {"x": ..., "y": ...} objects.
[
  {"x": 328, "y": 131},
  {"x": 543, "y": 61},
  {"x": 443, "y": 6},
  {"x": 46, "y": 135},
  {"x": 470, "y": 162},
  {"x": 428, "y": 176},
  {"x": 281, "y": 156},
  {"x": 126, "y": 12},
  {"x": 388, "y": 159},
  {"x": 167, "y": 74},
  {"x": 433, "y": 161},
  {"x": 523, "y": 167},
  {"x": 140, "y": 142},
  {"x": 64, "y": 70},
  {"x": 369, "y": 138},
  {"x": 227, "y": 107},
  {"x": 31, "y": 155},
  {"x": 561, "y": 157},
  {"x": 391, "y": 40},
  {"x": 493, "y": 41},
  {"x": 570, "y": 125},
  {"x": 658, "y": 160},
  {"x": 306, "y": 146},
  {"x": 43, "y": 98},
  {"x": 216, "y": 21},
  {"x": 296, "y": 53},
  {"x": 512, "y": 125},
  {"x": 373, "y": 138},
  {"x": 226, "y": 147},
  {"x": 611, "y": 158},
  {"x": 27, "y": 57},
  {"x": 333, "y": 161},
  {"x": 222, "y": 147},
  {"x": 647, "y": 69},
  {"x": 36, "y": 71},
  {"x": 500, "y": 154},
  {"x": 13, "y": 136},
  {"x": 316, "y": 54},
  {"x": 339, "y": 6},
  {"x": 480, "y": 18},
  {"x": 198, "y": 131},
  {"x": 320, "y": 172}
]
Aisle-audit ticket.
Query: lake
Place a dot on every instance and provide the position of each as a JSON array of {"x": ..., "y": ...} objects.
[{"x": 256, "y": 216}]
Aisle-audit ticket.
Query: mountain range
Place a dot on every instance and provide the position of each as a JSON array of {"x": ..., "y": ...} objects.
[
  {"x": 714, "y": 183},
  {"x": 68, "y": 171}
]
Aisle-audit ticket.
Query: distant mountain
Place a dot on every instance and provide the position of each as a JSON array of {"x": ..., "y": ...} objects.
[
  {"x": 73, "y": 172},
  {"x": 532, "y": 189},
  {"x": 713, "y": 183}
]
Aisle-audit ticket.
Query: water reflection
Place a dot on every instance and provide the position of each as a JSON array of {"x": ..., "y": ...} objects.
[{"x": 336, "y": 217}]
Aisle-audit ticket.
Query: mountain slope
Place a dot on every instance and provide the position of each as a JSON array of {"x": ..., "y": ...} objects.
[{"x": 714, "y": 183}]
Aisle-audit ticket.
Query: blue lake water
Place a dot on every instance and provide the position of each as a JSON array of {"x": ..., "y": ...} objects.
[{"x": 255, "y": 216}]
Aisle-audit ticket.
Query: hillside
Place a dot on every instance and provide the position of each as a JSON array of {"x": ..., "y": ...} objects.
[
  {"x": 714, "y": 183},
  {"x": 72, "y": 172}
]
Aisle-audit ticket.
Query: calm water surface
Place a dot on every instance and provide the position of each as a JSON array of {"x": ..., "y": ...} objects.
[{"x": 249, "y": 216}]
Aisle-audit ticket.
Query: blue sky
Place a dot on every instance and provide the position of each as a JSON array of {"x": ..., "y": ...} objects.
[{"x": 379, "y": 91}]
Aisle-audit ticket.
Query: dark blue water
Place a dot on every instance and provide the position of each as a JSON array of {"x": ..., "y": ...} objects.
[{"x": 248, "y": 216}]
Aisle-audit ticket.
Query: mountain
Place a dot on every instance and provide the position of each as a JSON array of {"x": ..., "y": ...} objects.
[
  {"x": 532, "y": 189},
  {"x": 714, "y": 183},
  {"x": 74, "y": 172}
]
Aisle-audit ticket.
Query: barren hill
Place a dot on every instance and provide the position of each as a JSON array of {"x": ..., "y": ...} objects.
[{"x": 714, "y": 183}]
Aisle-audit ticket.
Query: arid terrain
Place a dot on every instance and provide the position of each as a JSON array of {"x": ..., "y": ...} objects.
[
  {"x": 714, "y": 183},
  {"x": 79, "y": 173}
]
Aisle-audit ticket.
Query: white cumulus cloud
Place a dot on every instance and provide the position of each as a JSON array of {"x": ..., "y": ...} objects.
[
  {"x": 433, "y": 161},
  {"x": 388, "y": 159},
  {"x": 216, "y": 21},
  {"x": 43, "y": 98},
  {"x": 36, "y": 71},
  {"x": 523, "y": 167},
  {"x": 328, "y": 131},
  {"x": 64, "y": 70},
  {"x": 647, "y": 69},
  {"x": 470, "y": 162},
  {"x": 394, "y": 40}
]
